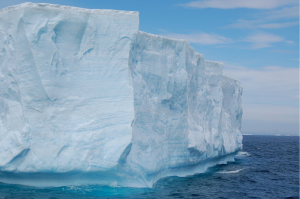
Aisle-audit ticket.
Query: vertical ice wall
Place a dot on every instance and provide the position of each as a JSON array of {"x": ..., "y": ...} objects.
[
  {"x": 178, "y": 101},
  {"x": 66, "y": 96},
  {"x": 158, "y": 67},
  {"x": 231, "y": 115}
]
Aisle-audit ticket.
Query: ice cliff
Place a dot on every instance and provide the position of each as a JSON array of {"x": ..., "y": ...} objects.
[{"x": 85, "y": 97}]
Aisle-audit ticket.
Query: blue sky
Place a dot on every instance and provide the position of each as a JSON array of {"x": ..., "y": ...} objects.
[{"x": 257, "y": 40}]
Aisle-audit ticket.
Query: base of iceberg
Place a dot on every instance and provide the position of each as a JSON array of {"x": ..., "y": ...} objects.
[
  {"x": 85, "y": 98},
  {"x": 113, "y": 178}
]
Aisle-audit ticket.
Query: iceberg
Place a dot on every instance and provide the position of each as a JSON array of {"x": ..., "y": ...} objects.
[{"x": 85, "y": 97}]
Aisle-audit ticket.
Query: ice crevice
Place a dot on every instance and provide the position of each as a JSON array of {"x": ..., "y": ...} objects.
[{"x": 87, "y": 98}]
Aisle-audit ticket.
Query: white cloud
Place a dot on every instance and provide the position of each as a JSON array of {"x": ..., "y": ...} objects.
[
  {"x": 262, "y": 127},
  {"x": 287, "y": 12},
  {"x": 269, "y": 88},
  {"x": 265, "y": 20},
  {"x": 259, "y": 24},
  {"x": 200, "y": 38},
  {"x": 290, "y": 42},
  {"x": 229, "y": 4},
  {"x": 257, "y": 40},
  {"x": 267, "y": 85},
  {"x": 274, "y": 113},
  {"x": 270, "y": 97},
  {"x": 263, "y": 40},
  {"x": 278, "y": 25}
]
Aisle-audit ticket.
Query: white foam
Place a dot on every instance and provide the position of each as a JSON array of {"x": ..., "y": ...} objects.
[
  {"x": 236, "y": 171},
  {"x": 242, "y": 154}
]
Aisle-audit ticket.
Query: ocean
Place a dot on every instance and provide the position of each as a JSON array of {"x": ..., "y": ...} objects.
[{"x": 267, "y": 167}]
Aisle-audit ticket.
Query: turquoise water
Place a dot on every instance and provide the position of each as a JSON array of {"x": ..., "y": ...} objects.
[{"x": 267, "y": 167}]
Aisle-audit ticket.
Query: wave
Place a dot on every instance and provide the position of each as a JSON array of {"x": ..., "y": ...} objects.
[
  {"x": 242, "y": 154},
  {"x": 236, "y": 171}
]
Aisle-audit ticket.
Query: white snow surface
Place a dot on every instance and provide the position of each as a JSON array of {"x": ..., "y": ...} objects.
[{"x": 84, "y": 93}]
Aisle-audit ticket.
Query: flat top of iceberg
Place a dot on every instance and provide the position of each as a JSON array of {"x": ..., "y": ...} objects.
[
  {"x": 178, "y": 40},
  {"x": 61, "y": 7},
  {"x": 234, "y": 80},
  {"x": 153, "y": 36},
  {"x": 162, "y": 37}
]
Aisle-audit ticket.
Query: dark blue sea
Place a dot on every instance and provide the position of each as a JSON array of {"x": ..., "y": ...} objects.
[{"x": 267, "y": 167}]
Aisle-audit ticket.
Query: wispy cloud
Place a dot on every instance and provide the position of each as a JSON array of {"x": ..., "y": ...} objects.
[
  {"x": 285, "y": 51},
  {"x": 278, "y": 25},
  {"x": 200, "y": 38},
  {"x": 257, "y": 40},
  {"x": 284, "y": 13},
  {"x": 275, "y": 19},
  {"x": 229, "y": 4},
  {"x": 262, "y": 40},
  {"x": 290, "y": 42},
  {"x": 259, "y": 24}
]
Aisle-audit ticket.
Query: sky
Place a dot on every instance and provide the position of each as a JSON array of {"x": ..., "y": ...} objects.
[{"x": 257, "y": 40}]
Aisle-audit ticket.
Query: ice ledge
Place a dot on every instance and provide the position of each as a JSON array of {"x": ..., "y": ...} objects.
[{"x": 60, "y": 7}]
